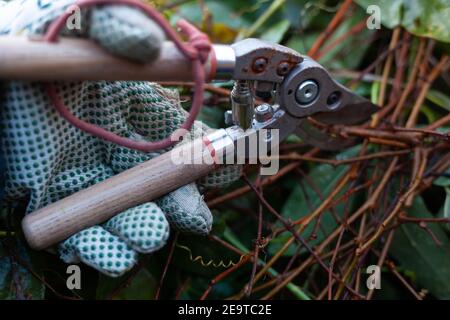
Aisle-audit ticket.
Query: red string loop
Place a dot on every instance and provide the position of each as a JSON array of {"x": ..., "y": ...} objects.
[
  {"x": 197, "y": 49},
  {"x": 197, "y": 40}
]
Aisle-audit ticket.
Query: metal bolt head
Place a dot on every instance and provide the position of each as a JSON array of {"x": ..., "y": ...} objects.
[
  {"x": 259, "y": 65},
  {"x": 263, "y": 112},
  {"x": 283, "y": 68},
  {"x": 334, "y": 99},
  {"x": 228, "y": 115},
  {"x": 307, "y": 92}
]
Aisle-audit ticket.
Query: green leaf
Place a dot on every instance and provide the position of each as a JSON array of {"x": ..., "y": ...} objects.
[
  {"x": 426, "y": 18},
  {"x": 444, "y": 180},
  {"x": 292, "y": 138},
  {"x": 429, "y": 113},
  {"x": 261, "y": 20},
  {"x": 16, "y": 282},
  {"x": 222, "y": 12},
  {"x": 302, "y": 201},
  {"x": 276, "y": 32},
  {"x": 415, "y": 250},
  {"x": 348, "y": 54},
  {"x": 374, "y": 92},
  {"x": 446, "y": 212},
  {"x": 301, "y": 13},
  {"x": 302, "y": 43},
  {"x": 439, "y": 98}
]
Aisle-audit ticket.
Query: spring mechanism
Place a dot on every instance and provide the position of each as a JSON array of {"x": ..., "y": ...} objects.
[{"x": 242, "y": 104}]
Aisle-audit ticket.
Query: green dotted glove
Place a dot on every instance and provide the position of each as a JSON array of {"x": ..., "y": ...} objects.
[{"x": 48, "y": 159}]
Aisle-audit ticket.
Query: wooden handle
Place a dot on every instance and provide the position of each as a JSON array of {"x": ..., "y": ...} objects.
[
  {"x": 98, "y": 203},
  {"x": 76, "y": 60}
]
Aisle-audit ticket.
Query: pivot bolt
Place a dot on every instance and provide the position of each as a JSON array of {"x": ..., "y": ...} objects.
[
  {"x": 283, "y": 68},
  {"x": 259, "y": 65},
  {"x": 333, "y": 99},
  {"x": 307, "y": 92},
  {"x": 263, "y": 112}
]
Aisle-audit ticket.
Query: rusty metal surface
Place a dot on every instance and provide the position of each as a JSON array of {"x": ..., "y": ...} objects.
[
  {"x": 332, "y": 98},
  {"x": 263, "y": 61},
  {"x": 299, "y": 87}
]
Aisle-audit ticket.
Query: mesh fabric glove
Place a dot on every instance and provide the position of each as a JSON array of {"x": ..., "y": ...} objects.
[{"x": 48, "y": 159}]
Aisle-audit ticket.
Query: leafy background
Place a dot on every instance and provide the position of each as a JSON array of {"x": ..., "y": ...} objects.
[{"x": 418, "y": 258}]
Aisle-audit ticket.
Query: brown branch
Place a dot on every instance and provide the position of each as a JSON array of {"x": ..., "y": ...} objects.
[
  {"x": 357, "y": 28},
  {"x": 393, "y": 269},
  {"x": 388, "y": 65},
  {"x": 399, "y": 204},
  {"x": 333, "y": 162},
  {"x": 257, "y": 246},
  {"x": 223, "y": 275},
  {"x": 267, "y": 181},
  {"x": 294, "y": 233},
  {"x": 368, "y": 204},
  {"x": 166, "y": 267},
  {"x": 382, "y": 258},
  {"x": 411, "y": 83},
  {"x": 440, "y": 67},
  {"x": 439, "y": 123},
  {"x": 379, "y": 134},
  {"x": 332, "y": 26}
]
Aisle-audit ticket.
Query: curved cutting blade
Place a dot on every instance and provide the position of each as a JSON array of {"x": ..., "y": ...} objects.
[
  {"x": 331, "y": 103},
  {"x": 360, "y": 110},
  {"x": 321, "y": 139},
  {"x": 357, "y": 111}
]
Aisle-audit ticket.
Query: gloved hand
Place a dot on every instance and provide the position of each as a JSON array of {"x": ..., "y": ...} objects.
[{"x": 48, "y": 159}]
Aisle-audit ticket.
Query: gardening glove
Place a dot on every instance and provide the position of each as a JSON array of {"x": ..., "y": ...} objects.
[{"x": 48, "y": 159}]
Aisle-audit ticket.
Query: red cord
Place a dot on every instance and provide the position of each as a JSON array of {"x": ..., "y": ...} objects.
[{"x": 197, "y": 49}]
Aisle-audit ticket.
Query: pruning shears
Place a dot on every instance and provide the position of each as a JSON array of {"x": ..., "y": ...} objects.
[{"x": 294, "y": 87}]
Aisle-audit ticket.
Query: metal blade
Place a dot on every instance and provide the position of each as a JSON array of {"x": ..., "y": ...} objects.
[
  {"x": 357, "y": 111},
  {"x": 321, "y": 139},
  {"x": 309, "y": 91}
]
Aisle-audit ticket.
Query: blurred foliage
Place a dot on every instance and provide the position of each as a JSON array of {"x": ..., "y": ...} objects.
[
  {"x": 427, "y": 18},
  {"x": 297, "y": 24},
  {"x": 16, "y": 280},
  {"x": 417, "y": 252}
]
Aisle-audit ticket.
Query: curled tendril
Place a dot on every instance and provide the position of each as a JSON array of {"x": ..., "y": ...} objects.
[{"x": 210, "y": 262}]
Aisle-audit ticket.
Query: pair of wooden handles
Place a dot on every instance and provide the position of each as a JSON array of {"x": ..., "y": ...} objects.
[
  {"x": 102, "y": 201},
  {"x": 74, "y": 59}
]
